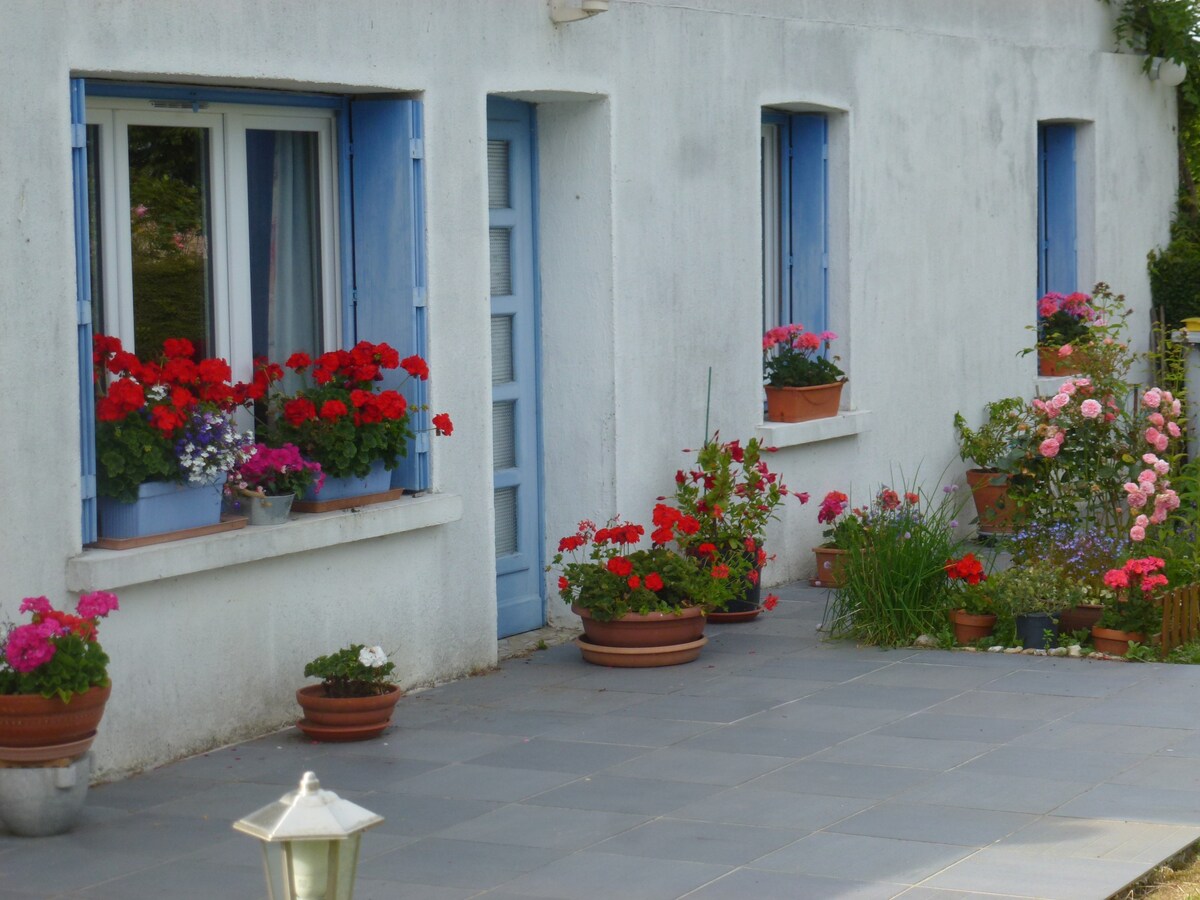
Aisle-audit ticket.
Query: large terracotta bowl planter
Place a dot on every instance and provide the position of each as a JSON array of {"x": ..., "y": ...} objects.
[
  {"x": 969, "y": 627},
  {"x": 801, "y": 404},
  {"x": 34, "y": 729},
  {"x": 989, "y": 491},
  {"x": 642, "y": 641},
  {"x": 345, "y": 718},
  {"x": 1114, "y": 642}
]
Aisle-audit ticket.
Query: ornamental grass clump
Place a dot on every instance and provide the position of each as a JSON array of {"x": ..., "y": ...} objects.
[
  {"x": 794, "y": 357},
  {"x": 895, "y": 586},
  {"x": 604, "y": 571},
  {"x": 733, "y": 494},
  {"x": 56, "y": 654},
  {"x": 354, "y": 671}
]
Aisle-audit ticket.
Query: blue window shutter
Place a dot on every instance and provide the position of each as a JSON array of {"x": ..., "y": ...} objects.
[
  {"x": 808, "y": 178},
  {"x": 1056, "y": 209},
  {"x": 388, "y": 296},
  {"x": 83, "y": 312}
]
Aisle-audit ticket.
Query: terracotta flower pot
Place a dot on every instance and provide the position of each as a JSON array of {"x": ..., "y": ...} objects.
[
  {"x": 1080, "y": 618},
  {"x": 1050, "y": 363},
  {"x": 989, "y": 491},
  {"x": 800, "y": 404},
  {"x": 1113, "y": 641},
  {"x": 34, "y": 729},
  {"x": 969, "y": 627},
  {"x": 831, "y": 567},
  {"x": 637, "y": 641},
  {"x": 345, "y": 718}
]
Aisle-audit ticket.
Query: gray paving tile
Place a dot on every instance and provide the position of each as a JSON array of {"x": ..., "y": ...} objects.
[
  {"x": 883, "y": 696},
  {"x": 761, "y": 885},
  {"x": 913, "y": 753},
  {"x": 830, "y": 668},
  {"x": 924, "y": 893},
  {"x": 1030, "y": 875},
  {"x": 42, "y": 873},
  {"x": 843, "y": 780},
  {"x": 225, "y": 802},
  {"x": 445, "y": 746},
  {"x": 869, "y": 858},
  {"x": 370, "y": 889},
  {"x": 1186, "y": 744},
  {"x": 626, "y": 795},
  {"x": 810, "y": 716},
  {"x": 698, "y": 709},
  {"x": 461, "y": 864},
  {"x": 1012, "y": 705},
  {"x": 1180, "y": 773},
  {"x": 420, "y": 815},
  {"x": 545, "y": 755},
  {"x": 552, "y": 827},
  {"x": 580, "y": 875},
  {"x": 571, "y": 700},
  {"x": 517, "y": 723},
  {"x": 934, "y": 725},
  {"x": 1138, "y": 712},
  {"x": 1134, "y": 803},
  {"x": 483, "y": 782},
  {"x": 642, "y": 681},
  {"x": 725, "y": 844},
  {"x": 141, "y": 791},
  {"x": 974, "y": 790},
  {"x": 1066, "y": 679},
  {"x": 1138, "y": 842},
  {"x": 361, "y": 773},
  {"x": 1081, "y": 765},
  {"x": 740, "y": 738},
  {"x": 748, "y": 805},
  {"x": 919, "y": 673},
  {"x": 634, "y": 731},
  {"x": 702, "y": 766},
  {"x": 184, "y": 880},
  {"x": 777, "y": 690},
  {"x": 907, "y": 820},
  {"x": 1078, "y": 736}
]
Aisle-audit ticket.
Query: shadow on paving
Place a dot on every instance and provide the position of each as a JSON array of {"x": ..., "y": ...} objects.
[{"x": 776, "y": 765}]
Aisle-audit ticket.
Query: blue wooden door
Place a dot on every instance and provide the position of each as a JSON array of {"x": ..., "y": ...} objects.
[{"x": 516, "y": 453}]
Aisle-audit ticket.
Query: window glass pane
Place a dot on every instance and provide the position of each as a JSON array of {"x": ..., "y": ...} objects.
[
  {"x": 504, "y": 447},
  {"x": 506, "y": 521},
  {"x": 502, "y": 351},
  {"x": 500, "y": 241},
  {"x": 497, "y": 158},
  {"x": 94, "y": 236},
  {"x": 169, "y": 215},
  {"x": 771, "y": 225},
  {"x": 282, "y": 182}
]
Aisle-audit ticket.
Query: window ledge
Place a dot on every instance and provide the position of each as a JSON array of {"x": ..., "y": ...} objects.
[
  {"x": 796, "y": 434},
  {"x": 108, "y": 569}
]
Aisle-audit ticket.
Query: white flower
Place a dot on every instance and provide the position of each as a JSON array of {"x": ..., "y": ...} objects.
[{"x": 372, "y": 657}]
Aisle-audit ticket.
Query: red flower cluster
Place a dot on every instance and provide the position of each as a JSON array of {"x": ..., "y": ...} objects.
[
  {"x": 966, "y": 568},
  {"x": 667, "y": 519},
  {"x": 832, "y": 506},
  {"x": 1138, "y": 573}
]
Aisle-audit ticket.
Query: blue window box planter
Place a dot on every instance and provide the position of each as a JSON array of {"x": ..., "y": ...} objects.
[
  {"x": 161, "y": 506},
  {"x": 377, "y": 480}
]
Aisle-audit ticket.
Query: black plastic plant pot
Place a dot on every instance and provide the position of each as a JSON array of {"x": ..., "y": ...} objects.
[{"x": 1032, "y": 628}]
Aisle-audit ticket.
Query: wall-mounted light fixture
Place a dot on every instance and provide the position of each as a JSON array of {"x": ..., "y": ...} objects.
[
  {"x": 1167, "y": 71},
  {"x": 573, "y": 10}
]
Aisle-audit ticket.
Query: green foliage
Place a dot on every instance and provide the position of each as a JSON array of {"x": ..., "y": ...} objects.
[
  {"x": 1141, "y": 652},
  {"x": 794, "y": 370},
  {"x": 895, "y": 580},
  {"x": 353, "y": 671},
  {"x": 169, "y": 297},
  {"x": 1000, "y": 440},
  {"x": 132, "y": 452},
  {"x": 77, "y": 666},
  {"x": 1038, "y": 587},
  {"x": 607, "y": 595},
  {"x": 1135, "y": 615},
  {"x": 1175, "y": 280},
  {"x": 1185, "y": 654}
]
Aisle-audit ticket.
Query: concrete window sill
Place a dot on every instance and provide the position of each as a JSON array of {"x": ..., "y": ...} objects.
[
  {"x": 796, "y": 434},
  {"x": 110, "y": 569}
]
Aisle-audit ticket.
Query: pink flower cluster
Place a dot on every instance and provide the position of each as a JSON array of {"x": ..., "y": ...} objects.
[
  {"x": 30, "y": 646},
  {"x": 796, "y": 337},
  {"x": 1076, "y": 305},
  {"x": 1142, "y": 573},
  {"x": 1152, "y": 489},
  {"x": 1071, "y": 390}
]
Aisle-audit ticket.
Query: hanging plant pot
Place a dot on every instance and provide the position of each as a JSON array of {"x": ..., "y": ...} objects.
[
  {"x": 969, "y": 627},
  {"x": 802, "y": 404},
  {"x": 993, "y": 509},
  {"x": 640, "y": 641},
  {"x": 831, "y": 567},
  {"x": 345, "y": 718},
  {"x": 1114, "y": 642}
]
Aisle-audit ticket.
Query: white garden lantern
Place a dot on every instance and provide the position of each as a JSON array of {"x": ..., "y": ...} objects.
[{"x": 310, "y": 840}]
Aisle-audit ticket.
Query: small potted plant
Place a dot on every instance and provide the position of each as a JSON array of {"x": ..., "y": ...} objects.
[
  {"x": 733, "y": 494},
  {"x": 995, "y": 447},
  {"x": 640, "y": 606},
  {"x": 843, "y": 534},
  {"x": 802, "y": 381},
  {"x": 270, "y": 478},
  {"x": 1034, "y": 594},
  {"x": 165, "y": 438},
  {"x": 345, "y": 418},
  {"x": 1137, "y": 614},
  {"x": 54, "y": 685},
  {"x": 971, "y": 613},
  {"x": 1063, "y": 329},
  {"x": 355, "y": 698}
]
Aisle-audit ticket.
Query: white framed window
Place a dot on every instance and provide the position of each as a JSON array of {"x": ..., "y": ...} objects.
[{"x": 215, "y": 222}]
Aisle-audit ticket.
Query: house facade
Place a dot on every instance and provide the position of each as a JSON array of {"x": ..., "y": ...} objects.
[{"x": 584, "y": 227}]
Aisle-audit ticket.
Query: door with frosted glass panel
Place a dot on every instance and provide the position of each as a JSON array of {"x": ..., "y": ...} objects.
[{"x": 516, "y": 457}]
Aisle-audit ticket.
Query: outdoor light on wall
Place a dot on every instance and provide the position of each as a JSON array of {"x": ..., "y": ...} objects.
[
  {"x": 574, "y": 10},
  {"x": 310, "y": 840},
  {"x": 1167, "y": 71}
]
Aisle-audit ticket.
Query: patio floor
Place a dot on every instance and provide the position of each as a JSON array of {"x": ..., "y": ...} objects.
[{"x": 775, "y": 766}]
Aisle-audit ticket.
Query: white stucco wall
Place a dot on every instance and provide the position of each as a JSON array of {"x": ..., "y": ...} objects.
[{"x": 650, "y": 266}]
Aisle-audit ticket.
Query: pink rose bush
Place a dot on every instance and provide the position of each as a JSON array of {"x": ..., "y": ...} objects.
[
  {"x": 1151, "y": 489},
  {"x": 56, "y": 653}
]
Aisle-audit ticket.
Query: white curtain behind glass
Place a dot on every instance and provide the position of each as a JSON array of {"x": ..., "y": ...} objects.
[{"x": 293, "y": 301}]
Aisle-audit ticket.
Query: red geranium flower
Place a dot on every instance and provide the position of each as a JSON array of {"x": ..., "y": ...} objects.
[
  {"x": 619, "y": 565},
  {"x": 443, "y": 425}
]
